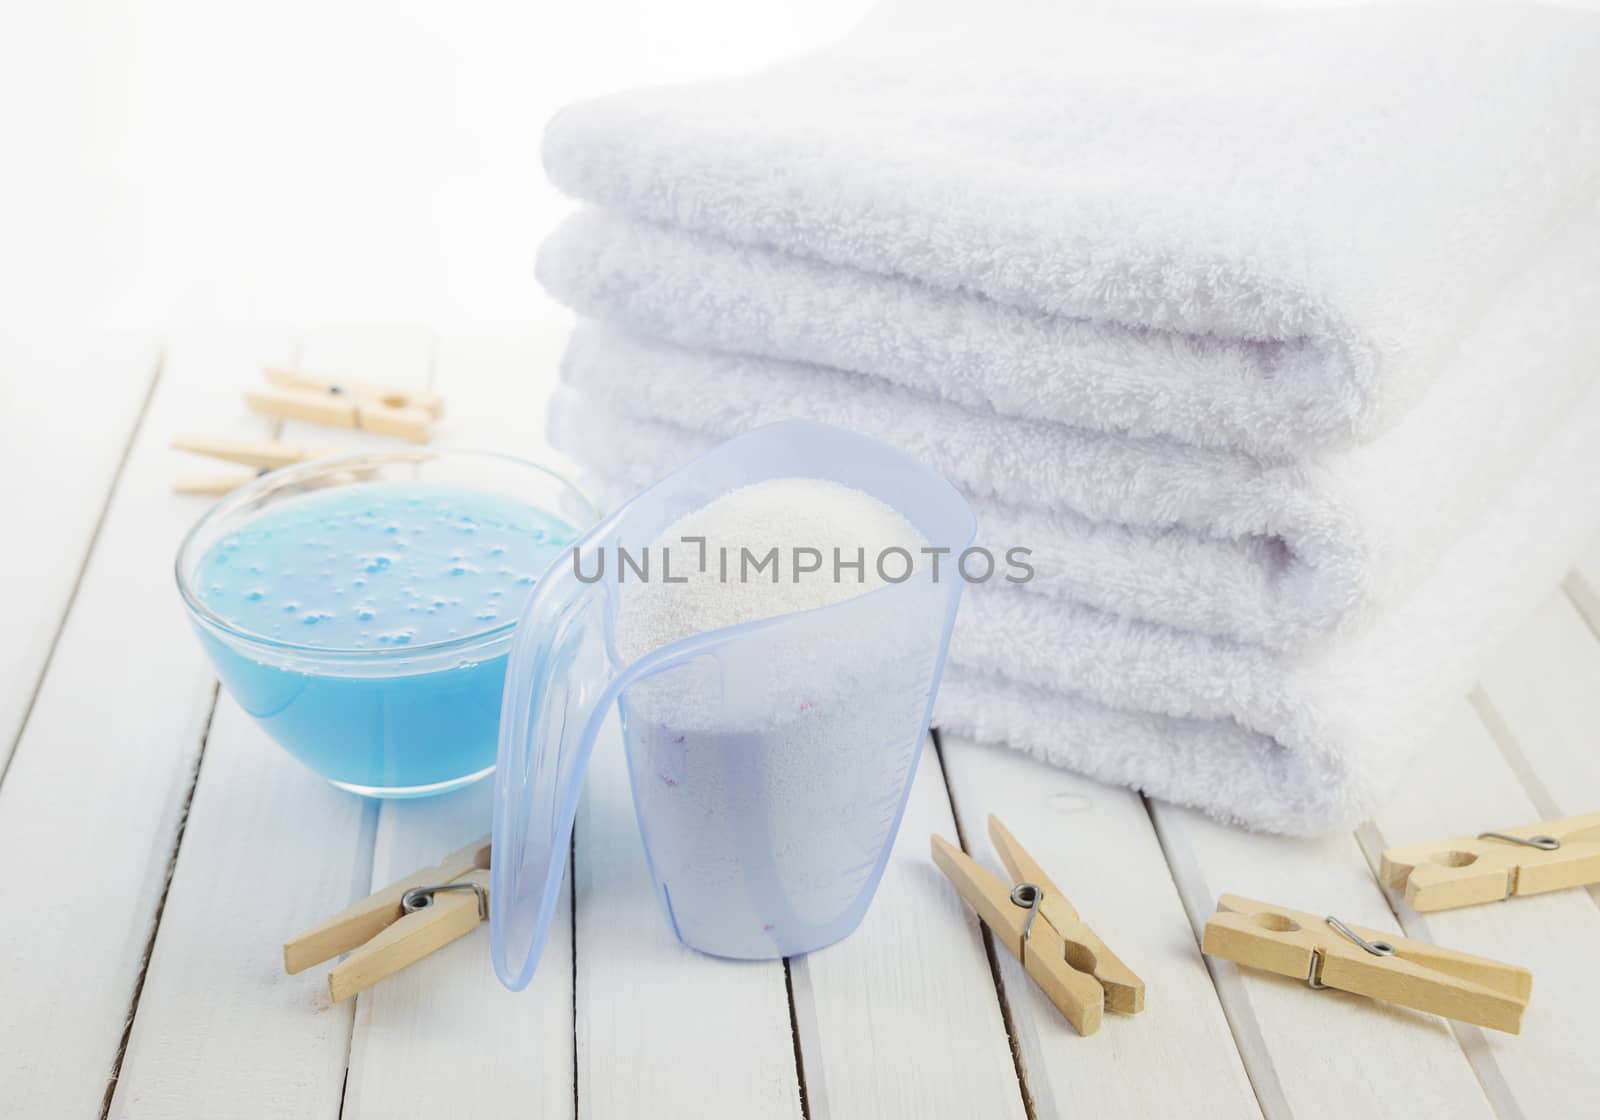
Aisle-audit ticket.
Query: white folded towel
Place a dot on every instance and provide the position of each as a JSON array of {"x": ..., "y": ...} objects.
[
  {"x": 1324, "y": 199},
  {"x": 1301, "y": 744},
  {"x": 1220, "y": 542},
  {"x": 1138, "y": 281}
]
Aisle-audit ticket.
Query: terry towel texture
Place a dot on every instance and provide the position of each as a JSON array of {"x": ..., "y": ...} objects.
[
  {"x": 1277, "y": 552},
  {"x": 1322, "y": 200},
  {"x": 1270, "y": 332},
  {"x": 1290, "y": 744}
]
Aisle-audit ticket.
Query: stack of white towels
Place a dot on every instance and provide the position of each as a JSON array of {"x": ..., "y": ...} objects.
[{"x": 1274, "y": 334}]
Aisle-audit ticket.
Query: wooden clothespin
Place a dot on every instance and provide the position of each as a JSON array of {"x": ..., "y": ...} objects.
[
  {"x": 1493, "y": 866},
  {"x": 399, "y": 925},
  {"x": 1327, "y": 953},
  {"x": 263, "y": 455},
  {"x": 1041, "y": 929},
  {"x": 292, "y": 394}
]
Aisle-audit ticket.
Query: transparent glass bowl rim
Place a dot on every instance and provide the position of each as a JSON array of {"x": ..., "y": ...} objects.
[{"x": 287, "y": 476}]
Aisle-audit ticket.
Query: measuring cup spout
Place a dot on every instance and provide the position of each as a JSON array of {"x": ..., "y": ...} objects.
[{"x": 558, "y": 692}]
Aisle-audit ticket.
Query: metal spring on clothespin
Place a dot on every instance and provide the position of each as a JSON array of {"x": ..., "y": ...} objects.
[
  {"x": 1027, "y": 896},
  {"x": 1376, "y": 948},
  {"x": 1543, "y": 843},
  {"x": 420, "y": 898}
]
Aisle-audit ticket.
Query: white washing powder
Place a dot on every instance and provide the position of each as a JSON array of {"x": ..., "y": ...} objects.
[
  {"x": 782, "y": 514},
  {"x": 768, "y": 773}
]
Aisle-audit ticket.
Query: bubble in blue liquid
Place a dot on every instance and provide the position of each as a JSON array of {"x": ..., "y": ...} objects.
[
  {"x": 231, "y": 544},
  {"x": 356, "y": 541}
]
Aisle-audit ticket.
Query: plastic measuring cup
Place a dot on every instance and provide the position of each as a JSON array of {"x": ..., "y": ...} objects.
[{"x": 770, "y": 761}]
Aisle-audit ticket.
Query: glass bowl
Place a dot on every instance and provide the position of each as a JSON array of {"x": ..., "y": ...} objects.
[{"x": 379, "y": 714}]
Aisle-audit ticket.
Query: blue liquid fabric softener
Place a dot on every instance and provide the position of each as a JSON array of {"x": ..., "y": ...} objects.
[{"x": 380, "y": 615}]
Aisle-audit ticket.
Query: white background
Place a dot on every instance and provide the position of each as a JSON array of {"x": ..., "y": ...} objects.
[{"x": 173, "y": 164}]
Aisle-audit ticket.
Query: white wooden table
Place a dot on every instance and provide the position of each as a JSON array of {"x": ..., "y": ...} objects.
[{"x": 156, "y": 848}]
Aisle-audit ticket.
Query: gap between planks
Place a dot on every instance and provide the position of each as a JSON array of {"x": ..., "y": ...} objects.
[
  {"x": 1006, "y": 1015},
  {"x": 1243, "y": 1025},
  {"x": 194, "y": 773},
  {"x": 414, "y": 1032},
  {"x": 103, "y": 506},
  {"x": 100, "y": 779},
  {"x": 161, "y": 908},
  {"x": 794, "y": 1029},
  {"x": 1513, "y": 760},
  {"x": 1097, "y": 842},
  {"x": 208, "y": 900}
]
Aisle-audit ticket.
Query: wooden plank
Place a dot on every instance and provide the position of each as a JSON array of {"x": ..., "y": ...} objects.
[
  {"x": 663, "y": 1030},
  {"x": 70, "y": 408},
  {"x": 497, "y": 390},
  {"x": 1097, "y": 844},
  {"x": 97, "y": 789},
  {"x": 901, "y": 1018},
  {"x": 443, "y": 1037},
  {"x": 1583, "y": 585},
  {"x": 1540, "y": 696},
  {"x": 1315, "y": 1053},
  {"x": 417, "y": 1032},
  {"x": 1462, "y": 784},
  {"x": 270, "y": 849}
]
